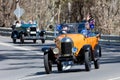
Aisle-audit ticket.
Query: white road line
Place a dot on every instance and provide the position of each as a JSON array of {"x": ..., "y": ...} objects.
[
  {"x": 16, "y": 47},
  {"x": 32, "y": 77},
  {"x": 20, "y": 48},
  {"x": 117, "y": 78}
]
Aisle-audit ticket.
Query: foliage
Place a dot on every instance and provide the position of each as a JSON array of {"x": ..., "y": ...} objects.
[{"x": 105, "y": 12}]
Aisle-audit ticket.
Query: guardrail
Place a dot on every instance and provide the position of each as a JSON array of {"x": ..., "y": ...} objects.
[
  {"x": 5, "y": 31},
  {"x": 50, "y": 35},
  {"x": 110, "y": 38}
]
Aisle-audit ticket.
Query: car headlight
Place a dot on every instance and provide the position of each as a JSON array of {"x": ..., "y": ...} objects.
[
  {"x": 74, "y": 49},
  {"x": 38, "y": 30},
  {"x": 28, "y": 30},
  {"x": 55, "y": 50}
]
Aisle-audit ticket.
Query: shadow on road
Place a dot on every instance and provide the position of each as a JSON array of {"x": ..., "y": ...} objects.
[
  {"x": 60, "y": 72},
  {"x": 29, "y": 43},
  {"x": 18, "y": 55},
  {"x": 19, "y": 59}
]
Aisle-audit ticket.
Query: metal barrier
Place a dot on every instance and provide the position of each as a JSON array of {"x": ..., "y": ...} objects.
[
  {"x": 110, "y": 38},
  {"x": 50, "y": 35},
  {"x": 5, "y": 31}
]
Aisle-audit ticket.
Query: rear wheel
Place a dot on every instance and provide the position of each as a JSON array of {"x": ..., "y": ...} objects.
[
  {"x": 47, "y": 64},
  {"x": 21, "y": 38},
  {"x": 88, "y": 60},
  {"x": 97, "y": 55},
  {"x": 14, "y": 40}
]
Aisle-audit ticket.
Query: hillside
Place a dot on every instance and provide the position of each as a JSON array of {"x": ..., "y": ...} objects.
[{"x": 105, "y": 12}]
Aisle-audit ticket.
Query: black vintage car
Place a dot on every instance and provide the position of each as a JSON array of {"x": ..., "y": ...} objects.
[{"x": 28, "y": 32}]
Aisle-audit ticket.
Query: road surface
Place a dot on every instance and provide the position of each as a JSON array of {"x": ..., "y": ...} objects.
[{"x": 25, "y": 62}]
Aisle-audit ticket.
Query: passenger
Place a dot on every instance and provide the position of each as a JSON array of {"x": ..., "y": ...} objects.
[
  {"x": 30, "y": 22},
  {"x": 89, "y": 25},
  {"x": 18, "y": 24},
  {"x": 86, "y": 32},
  {"x": 91, "y": 22}
]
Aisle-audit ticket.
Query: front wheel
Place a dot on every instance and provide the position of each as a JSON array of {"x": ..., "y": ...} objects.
[
  {"x": 59, "y": 66},
  {"x": 96, "y": 64},
  {"x": 87, "y": 60},
  {"x": 47, "y": 64}
]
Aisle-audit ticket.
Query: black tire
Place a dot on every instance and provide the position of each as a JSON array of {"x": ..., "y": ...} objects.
[
  {"x": 97, "y": 51},
  {"x": 21, "y": 38},
  {"x": 59, "y": 66},
  {"x": 88, "y": 60},
  {"x": 34, "y": 41},
  {"x": 43, "y": 41},
  {"x": 100, "y": 54},
  {"x": 96, "y": 64},
  {"x": 14, "y": 40},
  {"x": 97, "y": 55},
  {"x": 47, "y": 64}
]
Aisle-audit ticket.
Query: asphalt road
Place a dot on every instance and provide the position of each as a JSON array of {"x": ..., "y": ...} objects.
[{"x": 25, "y": 62}]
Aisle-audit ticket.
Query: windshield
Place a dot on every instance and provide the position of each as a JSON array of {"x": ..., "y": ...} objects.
[{"x": 71, "y": 28}]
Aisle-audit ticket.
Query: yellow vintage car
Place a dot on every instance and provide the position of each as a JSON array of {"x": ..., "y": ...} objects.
[{"x": 72, "y": 47}]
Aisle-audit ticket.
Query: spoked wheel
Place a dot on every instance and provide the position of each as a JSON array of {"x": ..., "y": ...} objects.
[
  {"x": 47, "y": 64},
  {"x": 59, "y": 66},
  {"x": 88, "y": 60},
  {"x": 14, "y": 40},
  {"x": 21, "y": 38},
  {"x": 97, "y": 55}
]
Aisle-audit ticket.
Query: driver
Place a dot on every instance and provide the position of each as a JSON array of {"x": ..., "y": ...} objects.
[
  {"x": 64, "y": 29},
  {"x": 18, "y": 24}
]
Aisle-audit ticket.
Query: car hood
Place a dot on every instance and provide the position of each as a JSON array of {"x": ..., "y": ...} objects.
[{"x": 78, "y": 40}]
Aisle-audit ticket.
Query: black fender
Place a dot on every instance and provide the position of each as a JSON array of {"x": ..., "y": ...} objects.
[
  {"x": 42, "y": 33},
  {"x": 15, "y": 34},
  {"x": 83, "y": 49},
  {"x": 46, "y": 49},
  {"x": 49, "y": 51},
  {"x": 21, "y": 33},
  {"x": 87, "y": 47}
]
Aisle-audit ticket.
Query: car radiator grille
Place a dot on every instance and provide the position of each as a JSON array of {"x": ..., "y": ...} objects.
[
  {"x": 66, "y": 48},
  {"x": 32, "y": 28}
]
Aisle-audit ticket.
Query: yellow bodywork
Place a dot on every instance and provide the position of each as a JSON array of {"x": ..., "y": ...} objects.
[{"x": 79, "y": 41}]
